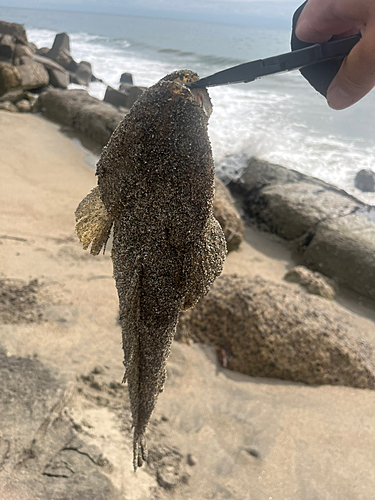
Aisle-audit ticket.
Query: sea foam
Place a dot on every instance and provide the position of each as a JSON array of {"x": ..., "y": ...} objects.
[{"x": 280, "y": 119}]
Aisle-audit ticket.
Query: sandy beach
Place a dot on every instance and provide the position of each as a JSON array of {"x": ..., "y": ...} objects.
[{"x": 237, "y": 437}]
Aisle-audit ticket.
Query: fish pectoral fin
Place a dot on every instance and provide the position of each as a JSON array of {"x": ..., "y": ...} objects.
[
  {"x": 93, "y": 222},
  {"x": 205, "y": 262},
  {"x": 140, "y": 454}
]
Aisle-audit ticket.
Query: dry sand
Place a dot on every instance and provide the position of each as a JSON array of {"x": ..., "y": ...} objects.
[{"x": 255, "y": 439}]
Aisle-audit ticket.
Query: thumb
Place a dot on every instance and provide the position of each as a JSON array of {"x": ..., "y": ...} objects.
[{"x": 356, "y": 76}]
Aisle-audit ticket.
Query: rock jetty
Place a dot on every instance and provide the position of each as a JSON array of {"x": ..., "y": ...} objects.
[{"x": 332, "y": 232}]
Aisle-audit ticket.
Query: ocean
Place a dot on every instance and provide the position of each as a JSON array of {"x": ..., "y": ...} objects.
[{"x": 279, "y": 118}]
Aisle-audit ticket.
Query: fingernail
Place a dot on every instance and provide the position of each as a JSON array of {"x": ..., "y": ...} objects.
[{"x": 339, "y": 99}]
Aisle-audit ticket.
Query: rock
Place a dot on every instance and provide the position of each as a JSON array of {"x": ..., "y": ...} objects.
[
  {"x": 60, "y": 52},
  {"x": 115, "y": 97},
  {"x": 32, "y": 47},
  {"x": 125, "y": 97},
  {"x": 270, "y": 330},
  {"x": 365, "y": 181},
  {"x": 58, "y": 76},
  {"x": 132, "y": 92},
  {"x": 9, "y": 77},
  {"x": 59, "y": 79},
  {"x": 332, "y": 230},
  {"x": 191, "y": 460},
  {"x": 344, "y": 248},
  {"x": 226, "y": 214},
  {"x": 126, "y": 78},
  {"x": 17, "y": 30},
  {"x": 167, "y": 463},
  {"x": 24, "y": 60},
  {"x": 98, "y": 121},
  {"x": 291, "y": 210},
  {"x": 96, "y": 79},
  {"x": 314, "y": 283},
  {"x": 7, "y": 47},
  {"x": 43, "y": 51},
  {"x": 17, "y": 95},
  {"x": 83, "y": 73},
  {"x": 77, "y": 109},
  {"x": 8, "y": 106},
  {"x": 22, "y": 51},
  {"x": 24, "y": 106},
  {"x": 63, "y": 106},
  {"x": 259, "y": 173},
  {"x": 33, "y": 75}
]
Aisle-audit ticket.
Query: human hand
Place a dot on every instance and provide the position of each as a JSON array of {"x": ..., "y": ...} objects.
[{"x": 322, "y": 19}]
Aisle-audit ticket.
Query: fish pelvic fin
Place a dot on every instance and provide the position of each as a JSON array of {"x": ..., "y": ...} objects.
[
  {"x": 93, "y": 222},
  {"x": 205, "y": 262}
]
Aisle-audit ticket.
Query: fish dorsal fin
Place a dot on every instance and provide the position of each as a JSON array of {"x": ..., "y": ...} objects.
[{"x": 93, "y": 222}]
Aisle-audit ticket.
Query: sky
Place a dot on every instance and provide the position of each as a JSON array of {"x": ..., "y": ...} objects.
[{"x": 270, "y": 13}]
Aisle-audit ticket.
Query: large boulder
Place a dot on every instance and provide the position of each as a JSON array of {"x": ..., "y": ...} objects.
[
  {"x": 63, "y": 106},
  {"x": 9, "y": 77},
  {"x": 77, "y": 109},
  {"x": 14, "y": 29},
  {"x": 291, "y": 210},
  {"x": 330, "y": 229},
  {"x": 345, "y": 248},
  {"x": 7, "y": 47},
  {"x": 257, "y": 174},
  {"x": 83, "y": 74},
  {"x": 226, "y": 214},
  {"x": 33, "y": 75},
  {"x": 264, "y": 329},
  {"x": 58, "y": 76},
  {"x": 365, "y": 181},
  {"x": 21, "y": 51},
  {"x": 98, "y": 121}
]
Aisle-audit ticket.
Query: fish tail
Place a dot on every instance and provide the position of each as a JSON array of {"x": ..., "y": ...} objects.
[
  {"x": 140, "y": 453},
  {"x": 93, "y": 222}
]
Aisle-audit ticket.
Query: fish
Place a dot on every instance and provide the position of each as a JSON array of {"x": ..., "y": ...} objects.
[{"x": 155, "y": 190}]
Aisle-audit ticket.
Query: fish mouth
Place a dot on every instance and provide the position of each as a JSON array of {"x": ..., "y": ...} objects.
[{"x": 203, "y": 99}]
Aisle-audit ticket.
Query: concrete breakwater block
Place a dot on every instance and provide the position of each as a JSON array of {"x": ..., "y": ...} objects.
[
  {"x": 125, "y": 97},
  {"x": 333, "y": 231}
]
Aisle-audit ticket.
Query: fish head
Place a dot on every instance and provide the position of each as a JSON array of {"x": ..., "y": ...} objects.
[{"x": 181, "y": 78}]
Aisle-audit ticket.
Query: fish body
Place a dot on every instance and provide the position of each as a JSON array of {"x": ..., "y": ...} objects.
[{"x": 156, "y": 186}]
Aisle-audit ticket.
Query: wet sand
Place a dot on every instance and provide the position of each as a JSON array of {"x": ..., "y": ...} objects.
[{"x": 251, "y": 438}]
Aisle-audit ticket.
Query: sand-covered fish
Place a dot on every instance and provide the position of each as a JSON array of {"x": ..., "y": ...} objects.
[{"x": 156, "y": 188}]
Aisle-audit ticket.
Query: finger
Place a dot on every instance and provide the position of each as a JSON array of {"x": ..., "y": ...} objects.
[
  {"x": 356, "y": 76},
  {"x": 317, "y": 23}
]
